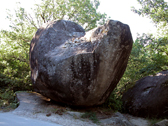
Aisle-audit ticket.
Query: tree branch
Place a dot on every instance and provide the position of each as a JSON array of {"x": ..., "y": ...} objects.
[
  {"x": 43, "y": 14},
  {"x": 31, "y": 21}
]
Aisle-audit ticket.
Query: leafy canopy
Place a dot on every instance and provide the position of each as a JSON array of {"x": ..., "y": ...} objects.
[
  {"x": 83, "y": 12},
  {"x": 157, "y": 10}
]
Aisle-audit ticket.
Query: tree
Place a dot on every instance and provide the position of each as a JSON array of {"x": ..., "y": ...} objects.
[
  {"x": 14, "y": 49},
  {"x": 157, "y": 10},
  {"x": 157, "y": 47},
  {"x": 150, "y": 53},
  {"x": 82, "y": 12}
]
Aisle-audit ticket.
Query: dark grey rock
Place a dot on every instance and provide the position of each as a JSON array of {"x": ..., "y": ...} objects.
[
  {"x": 149, "y": 96},
  {"x": 77, "y": 69}
]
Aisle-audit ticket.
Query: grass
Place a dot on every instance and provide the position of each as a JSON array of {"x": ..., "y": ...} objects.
[{"x": 90, "y": 115}]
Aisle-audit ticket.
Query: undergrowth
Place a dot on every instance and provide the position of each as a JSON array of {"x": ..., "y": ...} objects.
[
  {"x": 8, "y": 100},
  {"x": 8, "y": 87},
  {"x": 90, "y": 115},
  {"x": 114, "y": 102}
]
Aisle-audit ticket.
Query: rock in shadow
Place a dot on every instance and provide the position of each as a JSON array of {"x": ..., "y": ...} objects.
[{"x": 149, "y": 97}]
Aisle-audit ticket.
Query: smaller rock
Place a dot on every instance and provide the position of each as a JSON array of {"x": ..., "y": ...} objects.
[
  {"x": 162, "y": 123},
  {"x": 149, "y": 96}
]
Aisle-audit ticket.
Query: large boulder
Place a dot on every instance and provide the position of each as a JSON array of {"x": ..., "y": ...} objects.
[
  {"x": 75, "y": 68},
  {"x": 149, "y": 96}
]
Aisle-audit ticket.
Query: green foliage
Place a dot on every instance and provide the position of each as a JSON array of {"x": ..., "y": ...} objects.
[
  {"x": 149, "y": 56},
  {"x": 114, "y": 101},
  {"x": 8, "y": 100},
  {"x": 14, "y": 69},
  {"x": 157, "y": 10},
  {"x": 149, "y": 53},
  {"x": 14, "y": 62},
  {"x": 90, "y": 115},
  {"x": 83, "y": 12}
]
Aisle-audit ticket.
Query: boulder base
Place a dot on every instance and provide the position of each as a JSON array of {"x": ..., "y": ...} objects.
[
  {"x": 149, "y": 96},
  {"x": 75, "y": 68}
]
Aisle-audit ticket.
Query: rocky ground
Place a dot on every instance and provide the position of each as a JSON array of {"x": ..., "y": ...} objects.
[{"x": 33, "y": 105}]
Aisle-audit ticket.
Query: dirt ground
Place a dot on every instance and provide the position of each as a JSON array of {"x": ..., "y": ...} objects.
[{"x": 34, "y": 105}]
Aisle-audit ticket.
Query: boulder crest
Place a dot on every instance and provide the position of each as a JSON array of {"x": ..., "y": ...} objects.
[{"x": 78, "y": 68}]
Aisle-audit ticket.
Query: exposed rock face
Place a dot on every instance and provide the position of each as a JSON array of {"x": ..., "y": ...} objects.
[
  {"x": 77, "y": 69},
  {"x": 149, "y": 96}
]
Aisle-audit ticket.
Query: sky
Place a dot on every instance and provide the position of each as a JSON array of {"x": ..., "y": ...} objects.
[
  {"x": 121, "y": 10},
  {"x": 117, "y": 9}
]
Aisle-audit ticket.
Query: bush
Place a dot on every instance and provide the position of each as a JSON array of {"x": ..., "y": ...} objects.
[{"x": 114, "y": 101}]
